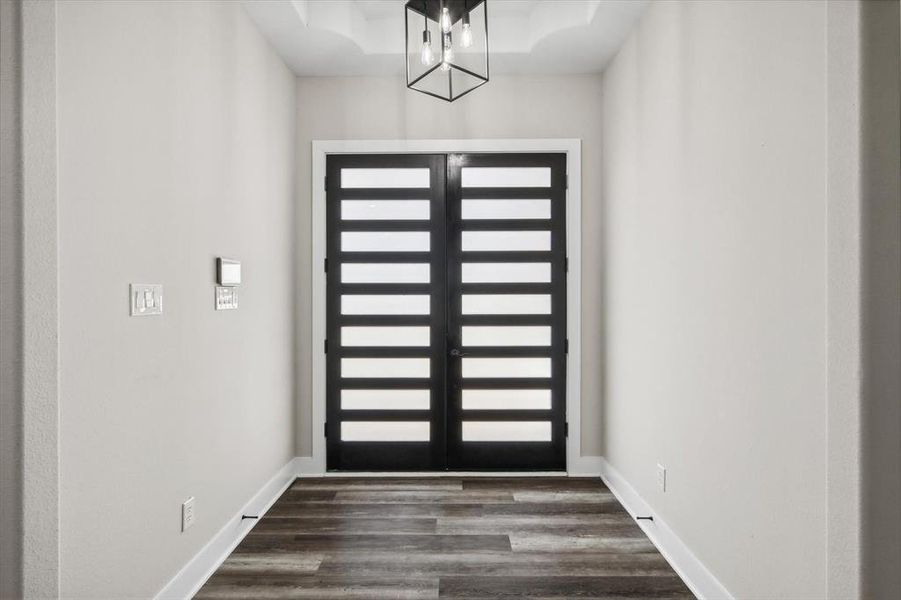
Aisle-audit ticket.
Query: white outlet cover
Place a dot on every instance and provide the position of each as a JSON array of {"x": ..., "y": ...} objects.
[
  {"x": 187, "y": 514},
  {"x": 661, "y": 477}
]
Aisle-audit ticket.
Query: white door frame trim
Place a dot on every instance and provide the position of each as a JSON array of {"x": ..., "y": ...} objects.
[{"x": 575, "y": 465}]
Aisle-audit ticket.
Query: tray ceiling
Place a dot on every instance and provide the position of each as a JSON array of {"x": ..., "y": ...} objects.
[{"x": 366, "y": 37}]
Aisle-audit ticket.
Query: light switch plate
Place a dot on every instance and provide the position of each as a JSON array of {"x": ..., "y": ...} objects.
[
  {"x": 145, "y": 299},
  {"x": 226, "y": 298}
]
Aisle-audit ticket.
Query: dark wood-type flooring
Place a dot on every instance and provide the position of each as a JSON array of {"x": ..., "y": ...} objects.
[{"x": 520, "y": 537}]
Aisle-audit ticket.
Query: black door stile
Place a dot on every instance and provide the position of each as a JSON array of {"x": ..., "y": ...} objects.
[{"x": 446, "y": 448}]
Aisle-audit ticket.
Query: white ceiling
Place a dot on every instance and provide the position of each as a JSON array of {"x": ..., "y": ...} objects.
[{"x": 366, "y": 37}]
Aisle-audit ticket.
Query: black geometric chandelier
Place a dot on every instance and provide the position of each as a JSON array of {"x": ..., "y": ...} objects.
[{"x": 446, "y": 46}]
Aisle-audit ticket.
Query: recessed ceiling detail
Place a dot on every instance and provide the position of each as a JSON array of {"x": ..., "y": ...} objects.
[{"x": 366, "y": 37}]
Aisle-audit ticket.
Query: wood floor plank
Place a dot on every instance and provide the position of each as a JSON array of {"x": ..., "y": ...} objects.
[
  {"x": 267, "y": 542},
  {"x": 270, "y": 564},
  {"x": 495, "y": 564},
  {"x": 554, "y": 508},
  {"x": 325, "y": 525},
  {"x": 429, "y": 497},
  {"x": 619, "y": 528},
  {"x": 225, "y": 587},
  {"x": 375, "y": 510},
  {"x": 529, "y": 542},
  {"x": 562, "y": 587},
  {"x": 588, "y": 519},
  {"x": 598, "y": 496},
  {"x": 378, "y": 484},
  {"x": 556, "y": 484}
]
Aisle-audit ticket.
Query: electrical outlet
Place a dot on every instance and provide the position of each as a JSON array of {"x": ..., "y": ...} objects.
[
  {"x": 187, "y": 513},
  {"x": 661, "y": 477}
]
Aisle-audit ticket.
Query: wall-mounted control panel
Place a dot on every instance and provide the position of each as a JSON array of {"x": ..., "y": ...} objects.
[
  {"x": 228, "y": 271},
  {"x": 228, "y": 276},
  {"x": 145, "y": 299},
  {"x": 226, "y": 298}
]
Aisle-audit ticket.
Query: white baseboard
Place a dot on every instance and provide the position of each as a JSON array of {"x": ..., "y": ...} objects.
[
  {"x": 193, "y": 575},
  {"x": 692, "y": 571}
]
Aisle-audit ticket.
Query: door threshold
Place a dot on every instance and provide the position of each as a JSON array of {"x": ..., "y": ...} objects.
[{"x": 440, "y": 474}]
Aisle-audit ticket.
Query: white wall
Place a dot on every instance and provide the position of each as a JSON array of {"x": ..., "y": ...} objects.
[
  {"x": 507, "y": 107},
  {"x": 714, "y": 175},
  {"x": 176, "y": 145}
]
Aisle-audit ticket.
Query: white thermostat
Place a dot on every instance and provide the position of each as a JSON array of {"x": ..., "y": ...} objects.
[{"x": 228, "y": 271}]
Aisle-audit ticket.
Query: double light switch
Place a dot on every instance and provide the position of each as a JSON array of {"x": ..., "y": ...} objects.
[{"x": 146, "y": 299}]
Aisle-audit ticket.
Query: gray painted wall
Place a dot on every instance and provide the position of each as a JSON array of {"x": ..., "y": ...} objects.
[
  {"x": 176, "y": 145},
  {"x": 714, "y": 180},
  {"x": 10, "y": 302},
  {"x": 334, "y": 108}
]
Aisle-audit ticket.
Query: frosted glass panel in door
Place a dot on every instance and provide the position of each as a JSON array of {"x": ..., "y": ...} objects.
[
  {"x": 385, "y": 431},
  {"x": 506, "y": 304},
  {"x": 385, "y": 367},
  {"x": 385, "y": 273},
  {"x": 384, "y": 178},
  {"x": 506, "y": 209},
  {"x": 385, "y": 399},
  {"x": 385, "y": 304},
  {"x": 506, "y": 272},
  {"x": 506, "y": 431},
  {"x": 508, "y": 335},
  {"x": 506, "y": 241},
  {"x": 475, "y": 399},
  {"x": 385, "y": 241},
  {"x": 512, "y": 177},
  {"x": 507, "y": 367},
  {"x": 385, "y": 336},
  {"x": 385, "y": 210}
]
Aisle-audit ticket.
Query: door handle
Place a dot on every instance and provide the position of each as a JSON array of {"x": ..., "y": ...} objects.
[{"x": 456, "y": 353}]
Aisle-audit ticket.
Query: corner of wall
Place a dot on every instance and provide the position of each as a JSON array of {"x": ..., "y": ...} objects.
[{"x": 40, "y": 366}]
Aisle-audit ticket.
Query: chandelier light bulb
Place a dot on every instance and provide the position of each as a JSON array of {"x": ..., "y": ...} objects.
[
  {"x": 445, "y": 20},
  {"x": 426, "y": 55},
  {"x": 448, "y": 49},
  {"x": 466, "y": 39}
]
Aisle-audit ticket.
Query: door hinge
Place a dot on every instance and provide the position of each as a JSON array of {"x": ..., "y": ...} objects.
[
  {"x": 566, "y": 182},
  {"x": 566, "y": 346},
  {"x": 566, "y": 429},
  {"x": 566, "y": 265},
  {"x": 325, "y": 346},
  {"x": 325, "y": 429},
  {"x": 325, "y": 183},
  {"x": 325, "y": 265}
]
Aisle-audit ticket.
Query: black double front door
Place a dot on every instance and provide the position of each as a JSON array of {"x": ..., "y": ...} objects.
[{"x": 446, "y": 312}]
